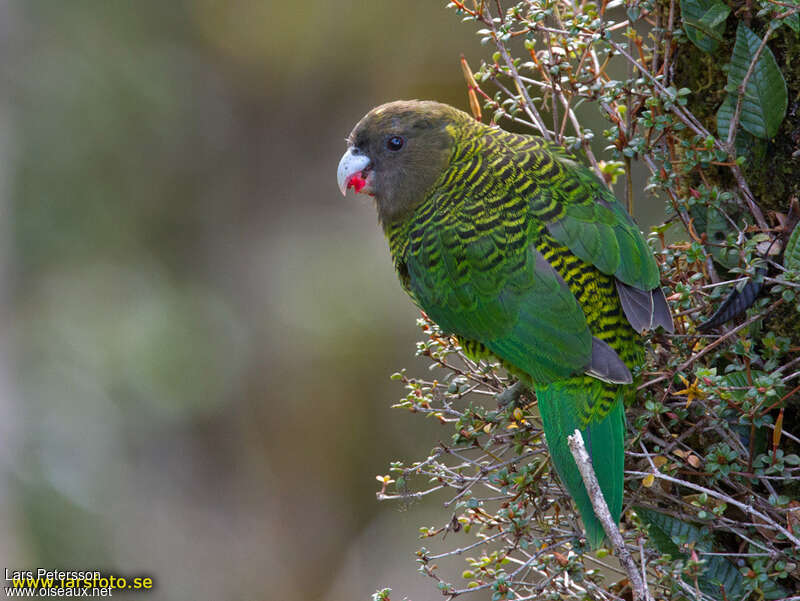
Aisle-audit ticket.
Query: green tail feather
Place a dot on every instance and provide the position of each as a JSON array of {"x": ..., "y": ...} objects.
[{"x": 563, "y": 407}]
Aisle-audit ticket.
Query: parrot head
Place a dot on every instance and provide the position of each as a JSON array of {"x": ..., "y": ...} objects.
[{"x": 397, "y": 151}]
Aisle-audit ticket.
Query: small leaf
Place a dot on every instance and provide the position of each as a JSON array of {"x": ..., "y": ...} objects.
[
  {"x": 791, "y": 256},
  {"x": 648, "y": 480},
  {"x": 765, "y": 97},
  {"x": 704, "y": 22},
  {"x": 772, "y": 590}
]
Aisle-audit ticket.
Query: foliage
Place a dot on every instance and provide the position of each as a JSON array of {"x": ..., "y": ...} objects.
[
  {"x": 761, "y": 87},
  {"x": 712, "y": 469}
]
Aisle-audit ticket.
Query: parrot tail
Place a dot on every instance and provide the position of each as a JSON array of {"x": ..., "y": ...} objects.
[{"x": 596, "y": 409}]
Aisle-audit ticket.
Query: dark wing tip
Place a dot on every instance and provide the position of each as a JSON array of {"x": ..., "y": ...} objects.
[
  {"x": 606, "y": 365},
  {"x": 662, "y": 316},
  {"x": 645, "y": 309}
]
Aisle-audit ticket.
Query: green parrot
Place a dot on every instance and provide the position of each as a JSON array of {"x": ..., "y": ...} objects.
[{"x": 509, "y": 244}]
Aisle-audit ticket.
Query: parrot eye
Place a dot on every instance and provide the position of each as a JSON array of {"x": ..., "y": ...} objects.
[{"x": 394, "y": 143}]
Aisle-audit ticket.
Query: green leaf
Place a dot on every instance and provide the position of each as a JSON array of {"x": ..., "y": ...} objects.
[
  {"x": 666, "y": 532},
  {"x": 720, "y": 574},
  {"x": 765, "y": 97},
  {"x": 791, "y": 256},
  {"x": 724, "y": 116},
  {"x": 772, "y": 590},
  {"x": 739, "y": 379},
  {"x": 660, "y": 527},
  {"x": 704, "y": 22},
  {"x": 745, "y": 142}
]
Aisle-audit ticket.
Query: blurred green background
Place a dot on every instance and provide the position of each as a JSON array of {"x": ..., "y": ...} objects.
[{"x": 197, "y": 328}]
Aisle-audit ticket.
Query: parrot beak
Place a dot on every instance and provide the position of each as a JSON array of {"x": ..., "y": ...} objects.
[{"x": 349, "y": 174}]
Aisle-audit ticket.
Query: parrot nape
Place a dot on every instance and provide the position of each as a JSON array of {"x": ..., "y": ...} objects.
[{"x": 509, "y": 244}]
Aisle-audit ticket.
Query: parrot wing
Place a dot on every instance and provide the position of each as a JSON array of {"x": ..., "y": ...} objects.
[
  {"x": 583, "y": 215},
  {"x": 592, "y": 223},
  {"x": 477, "y": 273}
]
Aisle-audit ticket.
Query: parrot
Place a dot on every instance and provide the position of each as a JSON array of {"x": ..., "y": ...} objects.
[{"x": 510, "y": 244}]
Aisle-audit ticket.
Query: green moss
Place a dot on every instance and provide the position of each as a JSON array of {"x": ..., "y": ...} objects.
[{"x": 784, "y": 321}]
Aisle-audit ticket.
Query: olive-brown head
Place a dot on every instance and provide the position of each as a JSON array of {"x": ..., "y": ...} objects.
[{"x": 398, "y": 151}]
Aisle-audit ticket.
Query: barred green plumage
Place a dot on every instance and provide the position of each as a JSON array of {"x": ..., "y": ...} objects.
[{"x": 510, "y": 244}]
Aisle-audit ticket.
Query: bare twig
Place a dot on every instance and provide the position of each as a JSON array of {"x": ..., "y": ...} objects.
[
  {"x": 668, "y": 42},
  {"x": 638, "y": 584},
  {"x": 527, "y": 105},
  {"x": 748, "y": 509}
]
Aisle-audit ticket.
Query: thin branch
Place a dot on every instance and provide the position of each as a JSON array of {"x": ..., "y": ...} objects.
[
  {"x": 668, "y": 41},
  {"x": 748, "y": 509},
  {"x": 582, "y": 459},
  {"x": 528, "y": 105},
  {"x": 713, "y": 345}
]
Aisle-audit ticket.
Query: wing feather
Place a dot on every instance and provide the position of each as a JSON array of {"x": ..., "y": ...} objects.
[
  {"x": 517, "y": 306},
  {"x": 593, "y": 224}
]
